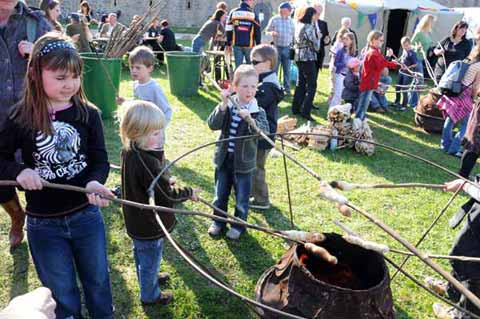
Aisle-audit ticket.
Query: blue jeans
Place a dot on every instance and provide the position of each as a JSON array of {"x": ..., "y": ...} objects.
[
  {"x": 451, "y": 144},
  {"x": 64, "y": 247},
  {"x": 239, "y": 53},
  {"x": 148, "y": 254},
  {"x": 404, "y": 97},
  {"x": 197, "y": 44},
  {"x": 378, "y": 100},
  {"x": 284, "y": 60},
  {"x": 225, "y": 179},
  {"x": 413, "y": 96},
  {"x": 363, "y": 102}
]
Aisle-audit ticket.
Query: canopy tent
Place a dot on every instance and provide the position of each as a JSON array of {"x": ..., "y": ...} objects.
[{"x": 395, "y": 18}]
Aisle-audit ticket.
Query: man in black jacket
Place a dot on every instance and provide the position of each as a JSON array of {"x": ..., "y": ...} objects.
[{"x": 322, "y": 28}]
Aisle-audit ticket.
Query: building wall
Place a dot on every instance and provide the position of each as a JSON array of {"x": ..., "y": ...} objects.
[{"x": 185, "y": 13}]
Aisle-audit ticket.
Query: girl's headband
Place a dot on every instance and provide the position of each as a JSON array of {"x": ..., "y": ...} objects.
[{"x": 55, "y": 45}]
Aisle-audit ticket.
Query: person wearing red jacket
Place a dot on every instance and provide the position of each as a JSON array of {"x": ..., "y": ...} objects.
[{"x": 373, "y": 64}]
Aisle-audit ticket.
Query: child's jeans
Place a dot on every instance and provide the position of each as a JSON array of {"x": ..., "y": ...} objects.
[
  {"x": 451, "y": 144},
  {"x": 413, "y": 96},
  {"x": 260, "y": 187},
  {"x": 63, "y": 247},
  {"x": 378, "y": 101},
  {"x": 337, "y": 96},
  {"x": 363, "y": 103},
  {"x": 403, "y": 81},
  {"x": 148, "y": 254},
  {"x": 225, "y": 179}
]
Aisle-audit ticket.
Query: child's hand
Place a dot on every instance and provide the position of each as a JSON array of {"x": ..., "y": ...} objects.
[
  {"x": 172, "y": 181},
  {"x": 95, "y": 188},
  {"x": 25, "y": 47},
  {"x": 30, "y": 180},
  {"x": 195, "y": 193},
  {"x": 389, "y": 52},
  {"x": 225, "y": 94},
  {"x": 453, "y": 186},
  {"x": 120, "y": 100},
  {"x": 243, "y": 113}
]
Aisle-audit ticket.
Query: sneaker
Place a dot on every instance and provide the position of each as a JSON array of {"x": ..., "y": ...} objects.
[
  {"x": 163, "y": 277},
  {"x": 457, "y": 154},
  {"x": 442, "y": 311},
  {"x": 215, "y": 230},
  {"x": 259, "y": 206},
  {"x": 165, "y": 298},
  {"x": 233, "y": 233},
  {"x": 402, "y": 108},
  {"x": 437, "y": 285}
]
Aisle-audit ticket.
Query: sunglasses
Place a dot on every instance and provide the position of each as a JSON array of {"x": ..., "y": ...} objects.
[{"x": 255, "y": 62}]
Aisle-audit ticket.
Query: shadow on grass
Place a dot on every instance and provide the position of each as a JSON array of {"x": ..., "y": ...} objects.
[
  {"x": 19, "y": 278},
  {"x": 400, "y": 313},
  {"x": 122, "y": 297}
]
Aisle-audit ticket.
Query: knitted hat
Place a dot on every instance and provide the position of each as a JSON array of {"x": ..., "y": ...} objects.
[
  {"x": 285, "y": 5},
  {"x": 353, "y": 63},
  {"x": 75, "y": 16}
]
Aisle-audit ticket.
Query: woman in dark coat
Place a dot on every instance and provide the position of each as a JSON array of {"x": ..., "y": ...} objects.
[{"x": 452, "y": 48}]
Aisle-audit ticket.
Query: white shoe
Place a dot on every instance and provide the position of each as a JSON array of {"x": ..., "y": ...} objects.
[
  {"x": 437, "y": 285},
  {"x": 214, "y": 230},
  {"x": 442, "y": 311},
  {"x": 233, "y": 233}
]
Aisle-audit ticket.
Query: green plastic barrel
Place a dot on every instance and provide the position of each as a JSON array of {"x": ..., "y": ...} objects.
[
  {"x": 99, "y": 87},
  {"x": 183, "y": 72}
]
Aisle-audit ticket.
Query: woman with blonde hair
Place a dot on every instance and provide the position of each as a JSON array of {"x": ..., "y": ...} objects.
[{"x": 421, "y": 42}]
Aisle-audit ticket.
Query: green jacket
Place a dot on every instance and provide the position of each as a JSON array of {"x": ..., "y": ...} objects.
[{"x": 245, "y": 155}]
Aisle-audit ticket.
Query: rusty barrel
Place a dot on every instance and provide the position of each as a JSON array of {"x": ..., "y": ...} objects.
[{"x": 358, "y": 287}]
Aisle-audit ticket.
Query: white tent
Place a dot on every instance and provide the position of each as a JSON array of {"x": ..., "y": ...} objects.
[{"x": 395, "y": 18}]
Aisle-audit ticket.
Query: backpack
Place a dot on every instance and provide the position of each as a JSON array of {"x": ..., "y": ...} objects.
[{"x": 451, "y": 81}]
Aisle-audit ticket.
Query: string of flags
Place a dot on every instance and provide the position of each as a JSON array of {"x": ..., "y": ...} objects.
[{"x": 373, "y": 17}]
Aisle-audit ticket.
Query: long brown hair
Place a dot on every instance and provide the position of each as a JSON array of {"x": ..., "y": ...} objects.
[
  {"x": 352, "y": 48},
  {"x": 32, "y": 111},
  {"x": 47, "y": 5},
  {"x": 85, "y": 4}
]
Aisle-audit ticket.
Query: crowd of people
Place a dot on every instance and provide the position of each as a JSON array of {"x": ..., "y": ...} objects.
[{"x": 51, "y": 132}]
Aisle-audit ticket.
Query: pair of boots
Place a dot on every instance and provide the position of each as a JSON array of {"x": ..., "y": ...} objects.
[{"x": 17, "y": 215}]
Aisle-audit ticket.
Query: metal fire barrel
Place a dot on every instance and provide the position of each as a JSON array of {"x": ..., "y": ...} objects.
[{"x": 358, "y": 287}]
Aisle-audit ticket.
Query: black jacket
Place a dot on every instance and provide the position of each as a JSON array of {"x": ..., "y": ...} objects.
[
  {"x": 323, "y": 27},
  {"x": 269, "y": 95},
  {"x": 351, "y": 90},
  {"x": 139, "y": 167}
]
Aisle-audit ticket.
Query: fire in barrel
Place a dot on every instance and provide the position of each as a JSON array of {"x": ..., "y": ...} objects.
[{"x": 354, "y": 284}]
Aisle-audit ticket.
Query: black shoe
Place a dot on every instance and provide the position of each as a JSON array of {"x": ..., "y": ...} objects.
[
  {"x": 295, "y": 112},
  {"x": 163, "y": 277},
  {"x": 165, "y": 298},
  {"x": 309, "y": 118}
]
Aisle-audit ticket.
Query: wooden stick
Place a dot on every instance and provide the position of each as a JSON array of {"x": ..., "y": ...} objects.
[
  {"x": 435, "y": 221},
  {"x": 235, "y": 221},
  {"x": 455, "y": 283},
  {"x": 254, "y": 127},
  {"x": 345, "y": 186},
  {"x": 435, "y": 256}
]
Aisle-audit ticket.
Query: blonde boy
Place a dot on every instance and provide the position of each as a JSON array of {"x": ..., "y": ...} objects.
[{"x": 235, "y": 160}]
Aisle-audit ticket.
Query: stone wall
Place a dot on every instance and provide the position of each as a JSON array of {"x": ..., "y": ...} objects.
[{"x": 185, "y": 13}]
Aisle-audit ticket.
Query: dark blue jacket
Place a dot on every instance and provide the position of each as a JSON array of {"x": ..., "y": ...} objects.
[
  {"x": 14, "y": 66},
  {"x": 269, "y": 95},
  {"x": 243, "y": 27}
]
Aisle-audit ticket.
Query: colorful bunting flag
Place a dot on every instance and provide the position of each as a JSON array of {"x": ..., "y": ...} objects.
[
  {"x": 361, "y": 19},
  {"x": 373, "y": 20}
]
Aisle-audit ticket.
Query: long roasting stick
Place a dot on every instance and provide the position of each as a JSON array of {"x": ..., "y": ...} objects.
[
  {"x": 467, "y": 293},
  {"x": 253, "y": 125},
  {"x": 345, "y": 186}
]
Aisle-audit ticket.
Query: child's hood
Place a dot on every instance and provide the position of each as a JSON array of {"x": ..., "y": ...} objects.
[
  {"x": 252, "y": 106},
  {"x": 271, "y": 77}
]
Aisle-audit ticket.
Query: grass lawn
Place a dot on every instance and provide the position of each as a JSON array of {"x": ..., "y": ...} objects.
[{"x": 242, "y": 263}]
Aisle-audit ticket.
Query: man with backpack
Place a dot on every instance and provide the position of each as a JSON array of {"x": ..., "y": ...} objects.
[{"x": 23, "y": 25}]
